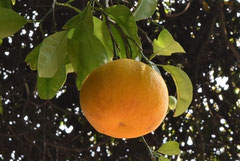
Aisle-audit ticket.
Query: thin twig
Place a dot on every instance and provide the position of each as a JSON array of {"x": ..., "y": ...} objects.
[
  {"x": 125, "y": 41},
  {"x": 148, "y": 148},
  {"x": 99, "y": 4},
  {"x": 69, "y": 6},
  {"x": 114, "y": 43},
  {"x": 180, "y": 13},
  {"x": 41, "y": 22},
  {"x": 233, "y": 49},
  {"x": 53, "y": 15},
  {"x": 145, "y": 34},
  {"x": 141, "y": 50}
]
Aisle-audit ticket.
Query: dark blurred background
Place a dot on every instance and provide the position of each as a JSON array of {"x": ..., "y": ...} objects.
[{"x": 209, "y": 30}]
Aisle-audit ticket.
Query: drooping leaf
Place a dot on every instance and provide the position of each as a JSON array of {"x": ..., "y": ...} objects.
[
  {"x": 102, "y": 33},
  {"x": 184, "y": 88},
  {"x": 10, "y": 22},
  {"x": 145, "y": 9},
  {"x": 52, "y": 54},
  {"x": 172, "y": 103},
  {"x": 162, "y": 158},
  {"x": 32, "y": 58},
  {"x": 165, "y": 45},
  {"x": 121, "y": 48},
  {"x": 73, "y": 22},
  {"x": 127, "y": 23},
  {"x": 1, "y": 108},
  {"x": 170, "y": 148},
  {"x": 48, "y": 87},
  {"x": 85, "y": 50},
  {"x": 5, "y": 4}
]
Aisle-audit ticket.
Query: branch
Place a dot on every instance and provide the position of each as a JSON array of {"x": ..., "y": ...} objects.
[
  {"x": 146, "y": 35},
  {"x": 69, "y": 6},
  {"x": 75, "y": 149},
  {"x": 203, "y": 41},
  {"x": 148, "y": 148},
  {"x": 180, "y": 13},
  {"x": 233, "y": 49}
]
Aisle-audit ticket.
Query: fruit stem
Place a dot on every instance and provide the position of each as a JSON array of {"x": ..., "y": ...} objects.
[{"x": 148, "y": 148}]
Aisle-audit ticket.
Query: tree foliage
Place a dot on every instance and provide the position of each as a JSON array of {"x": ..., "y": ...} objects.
[{"x": 37, "y": 129}]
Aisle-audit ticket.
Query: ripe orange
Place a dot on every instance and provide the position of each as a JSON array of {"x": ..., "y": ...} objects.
[{"x": 124, "y": 99}]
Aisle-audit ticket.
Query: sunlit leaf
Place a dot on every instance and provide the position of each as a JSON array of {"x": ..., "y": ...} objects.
[
  {"x": 48, "y": 87},
  {"x": 32, "y": 58},
  {"x": 1, "y": 41},
  {"x": 162, "y": 158},
  {"x": 172, "y": 103},
  {"x": 102, "y": 33},
  {"x": 13, "y": 2},
  {"x": 145, "y": 9},
  {"x": 85, "y": 50},
  {"x": 165, "y": 45},
  {"x": 170, "y": 148},
  {"x": 184, "y": 88},
  {"x": 69, "y": 68},
  {"x": 10, "y": 22},
  {"x": 1, "y": 108},
  {"x": 52, "y": 54},
  {"x": 127, "y": 23}
]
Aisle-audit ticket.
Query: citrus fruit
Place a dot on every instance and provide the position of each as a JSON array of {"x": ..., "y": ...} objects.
[{"x": 124, "y": 99}]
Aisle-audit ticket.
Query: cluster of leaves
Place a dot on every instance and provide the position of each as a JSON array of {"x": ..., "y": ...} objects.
[{"x": 86, "y": 42}]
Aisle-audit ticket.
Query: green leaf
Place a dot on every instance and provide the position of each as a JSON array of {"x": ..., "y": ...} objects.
[
  {"x": 172, "y": 103},
  {"x": 162, "y": 158},
  {"x": 165, "y": 45},
  {"x": 85, "y": 50},
  {"x": 10, "y": 22},
  {"x": 102, "y": 33},
  {"x": 127, "y": 23},
  {"x": 1, "y": 108},
  {"x": 32, "y": 58},
  {"x": 121, "y": 50},
  {"x": 48, "y": 87},
  {"x": 1, "y": 41},
  {"x": 184, "y": 88},
  {"x": 170, "y": 148},
  {"x": 5, "y": 4},
  {"x": 145, "y": 9},
  {"x": 73, "y": 22},
  {"x": 52, "y": 54},
  {"x": 69, "y": 68}
]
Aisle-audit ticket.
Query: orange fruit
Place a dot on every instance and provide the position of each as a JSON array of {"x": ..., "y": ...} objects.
[{"x": 124, "y": 99}]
